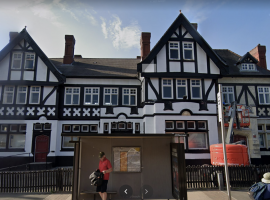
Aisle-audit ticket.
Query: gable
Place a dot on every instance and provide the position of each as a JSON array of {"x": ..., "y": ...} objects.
[
  {"x": 181, "y": 31},
  {"x": 37, "y": 67}
]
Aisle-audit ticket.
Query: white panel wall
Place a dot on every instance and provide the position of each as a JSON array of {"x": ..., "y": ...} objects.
[
  {"x": 155, "y": 83},
  {"x": 189, "y": 67},
  {"x": 175, "y": 66},
  {"x": 52, "y": 77},
  {"x": 52, "y": 99},
  {"x": 213, "y": 68},
  {"x": 4, "y": 65},
  {"x": 188, "y": 36},
  {"x": 151, "y": 94},
  {"x": 202, "y": 59},
  {"x": 212, "y": 94},
  {"x": 183, "y": 30},
  {"x": 28, "y": 75},
  {"x": 161, "y": 60},
  {"x": 15, "y": 75},
  {"x": 148, "y": 67},
  {"x": 46, "y": 91},
  {"x": 41, "y": 70}
]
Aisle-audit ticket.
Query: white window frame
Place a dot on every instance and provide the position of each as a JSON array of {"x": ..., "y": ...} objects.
[
  {"x": 20, "y": 128},
  {"x": 13, "y": 55},
  {"x": 130, "y": 123},
  {"x": 70, "y": 128},
  {"x": 18, "y": 92},
  {"x": 85, "y": 125},
  {"x": 171, "y": 86},
  {"x": 123, "y": 124},
  {"x": 200, "y": 86},
  {"x": 77, "y": 125},
  {"x": 26, "y": 54},
  {"x": 71, "y": 139},
  {"x": 72, "y": 93},
  {"x": 137, "y": 127},
  {"x": 48, "y": 124},
  {"x": 32, "y": 92},
  {"x": 248, "y": 67},
  {"x": 187, "y": 48},
  {"x": 7, "y": 92},
  {"x": 204, "y": 124},
  {"x": 13, "y": 131},
  {"x": 181, "y": 86},
  {"x": 92, "y": 125},
  {"x": 114, "y": 123},
  {"x": 182, "y": 122},
  {"x": 169, "y": 122},
  {"x": 111, "y": 93},
  {"x": 37, "y": 128},
  {"x": 104, "y": 127},
  {"x": 194, "y": 125},
  {"x": 91, "y": 93},
  {"x": 129, "y": 96},
  {"x": 264, "y": 93},
  {"x": 227, "y": 92},
  {"x": 174, "y": 48}
]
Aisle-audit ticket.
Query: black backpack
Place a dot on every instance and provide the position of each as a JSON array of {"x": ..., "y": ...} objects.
[{"x": 96, "y": 178}]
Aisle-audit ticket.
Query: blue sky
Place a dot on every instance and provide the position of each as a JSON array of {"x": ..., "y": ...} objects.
[{"x": 112, "y": 28}]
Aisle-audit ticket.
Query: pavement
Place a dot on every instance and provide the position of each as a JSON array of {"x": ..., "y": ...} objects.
[{"x": 192, "y": 195}]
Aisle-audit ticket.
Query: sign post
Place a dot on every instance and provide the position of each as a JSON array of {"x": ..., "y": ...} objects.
[{"x": 221, "y": 120}]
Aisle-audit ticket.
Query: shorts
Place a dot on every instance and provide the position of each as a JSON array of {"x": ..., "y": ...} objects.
[{"x": 103, "y": 187}]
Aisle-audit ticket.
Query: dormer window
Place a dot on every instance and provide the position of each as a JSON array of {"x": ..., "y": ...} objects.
[
  {"x": 248, "y": 67},
  {"x": 29, "y": 61},
  {"x": 174, "y": 50}
]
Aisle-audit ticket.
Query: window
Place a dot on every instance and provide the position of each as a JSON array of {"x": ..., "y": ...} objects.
[
  {"x": 126, "y": 159},
  {"x": 4, "y": 128},
  {"x": 261, "y": 139},
  {"x": 197, "y": 141},
  {"x": 72, "y": 96},
  {"x": 13, "y": 128},
  {"x": 267, "y": 127},
  {"x": 264, "y": 93},
  {"x": 137, "y": 127},
  {"x": 16, "y": 141},
  {"x": 91, "y": 96},
  {"x": 76, "y": 128},
  {"x": 106, "y": 127},
  {"x": 248, "y": 67},
  {"x": 169, "y": 125},
  {"x": 37, "y": 126},
  {"x": 114, "y": 125},
  {"x": 23, "y": 128},
  {"x": 65, "y": 141},
  {"x": 188, "y": 50},
  {"x": 21, "y": 95},
  {"x": 67, "y": 128},
  {"x": 85, "y": 128},
  {"x": 8, "y": 95},
  {"x": 174, "y": 50},
  {"x": 196, "y": 89},
  {"x": 167, "y": 88},
  {"x": 110, "y": 96},
  {"x": 16, "y": 61},
  {"x": 129, "y": 125},
  {"x": 47, "y": 126},
  {"x": 201, "y": 125},
  {"x": 181, "y": 88},
  {"x": 3, "y": 141},
  {"x": 34, "y": 95},
  {"x": 191, "y": 125},
  {"x": 260, "y": 127},
  {"x": 29, "y": 61},
  {"x": 180, "y": 125},
  {"x": 129, "y": 97},
  {"x": 228, "y": 94},
  {"x": 121, "y": 125},
  {"x": 93, "y": 128}
]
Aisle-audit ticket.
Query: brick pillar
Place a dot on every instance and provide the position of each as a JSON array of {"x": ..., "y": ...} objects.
[
  {"x": 145, "y": 44},
  {"x": 69, "y": 49},
  {"x": 259, "y": 53}
]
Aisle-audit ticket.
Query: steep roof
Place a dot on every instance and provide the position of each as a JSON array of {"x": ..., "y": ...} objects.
[
  {"x": 98, "y": 67},
  {"x": 24, "y": 35},
  {"x": 232, "y": 59}
]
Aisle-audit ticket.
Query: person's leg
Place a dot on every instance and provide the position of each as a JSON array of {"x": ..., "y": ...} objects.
[
  {"x": 104, "y": 195},
  {"x": 101, "y": 195}
]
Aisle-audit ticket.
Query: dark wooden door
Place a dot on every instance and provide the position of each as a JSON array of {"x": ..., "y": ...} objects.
[{"x": 41, "y": 148}]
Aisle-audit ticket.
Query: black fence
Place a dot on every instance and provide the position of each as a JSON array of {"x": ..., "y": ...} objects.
[
  {"x": 36, "y": 181},
  {"x": 240, "y": 176}
]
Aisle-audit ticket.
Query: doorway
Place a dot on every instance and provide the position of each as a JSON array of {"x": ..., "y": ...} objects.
[{"x": 41, "y": 148}]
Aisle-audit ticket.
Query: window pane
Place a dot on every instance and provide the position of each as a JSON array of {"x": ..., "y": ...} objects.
[
  {"x": 34, "y": 98},
  {"x": 68, "y": 99},
  {"x": 231, "y": 99},
  {"x": 16, "y": 141},
  {"x": 261, "y": 98},
  {"x": 201, "y": 125},
  {"x": 87, "y": 99},
  {"x": 9, "y": 98},
  {"x": 180, "y": 125},
  {"x": 174, "y": 53},
  {"x": 3, "y": 140},
  {"x": 133, "y": 100},
  {"x": 261, "y": 138},
  {"x": 187, "y": 54},
  {"x": 181, "y": 92},
  {"x": 169, "y": 125},
  {"x": 67, "y": 128},
  {"x": 196, "y": 92},
  {"x": 114, "y": 99},
  {"x": 268, "y": 127},
  {"x": 29, "y": 64},
  {"x": 16, "y": 64},
  {"x": 75, "y": 99},
  {"x": 197, "y": 141},
  {"x": 260, "y": 127},
  {"x": 126, "y": 100},
  {"x": 95, "y": 99},
  {"x": 21, "y": 97},
  {"x": 167, "y": 92},
  {"x": 267, "y": 98},
  {"x": 66, "y": 142},
  {"x": 107, "y": 99},
  {"x": 268, "y": 140},
  {"x": 190, "y": 125}
]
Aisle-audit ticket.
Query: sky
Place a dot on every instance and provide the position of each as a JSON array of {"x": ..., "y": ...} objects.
[{"x": 112, "y": 28}]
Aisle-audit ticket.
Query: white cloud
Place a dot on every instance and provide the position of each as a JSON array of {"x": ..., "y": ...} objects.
[
  {"x": 104, "y": 27},
  {"x": 90, "y": 17},
  {"x": 124, "y": 37}
]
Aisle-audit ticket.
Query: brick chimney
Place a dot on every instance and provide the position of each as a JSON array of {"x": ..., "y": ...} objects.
[
  {"x": 259, "y": 53},
  {"x": 69, "y": 49},
  {"x": 145, "y": 44},
  {"x": 195, "y": 25},
  {"x": 12, "y": 35}
]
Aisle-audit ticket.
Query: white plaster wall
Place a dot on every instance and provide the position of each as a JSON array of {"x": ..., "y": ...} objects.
[
  {"x": 148, "y": 109},
  {"x": 183, "y": 30},
  {"x": 155, "y": 83},
  {"x": 189, "y": 67},
  {"x": 188, "y": 36},
  {"x": 119, "y": 110},
  {"x": 149, "y": 67},
  {"x": 151, "y": 94},
  {"x": 175, "y": 66},
  {"x": 22, "y": 43},
  {"x": 177, "y": 31},
  {"x": 161, "y": 60},
  {"x": 202, "y": 59},
  {"x": 28, "y": 75},
  {"x": 52, "y": 77},
  {"x": 143, "y": 91},
  {"x": 173, "y": 36},
  {"x": 46, "y": 91},
  {"x": 52, "y": 99},
  {"x": 17, "y": 47},
  {"x": 212, "y": 94},
  {"x": 150, "y": 125},
  {"x": 213, "y": 68},
  {"x": 103, "y": 81},
  {"x": 15, "y": 75},
  {"x": 4, "y": 65},
  {"x": 41, "y": 71}
]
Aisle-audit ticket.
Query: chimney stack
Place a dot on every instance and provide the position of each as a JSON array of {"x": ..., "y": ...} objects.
[
  {"x": 69, "y": 49},
  {"x": 12, "y": 35},
  {"x": 259, "y": 53},
  {"x": 145, "y": 44},
  {"x": 195, "y": 25}
]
